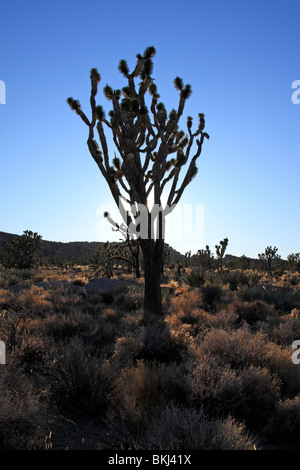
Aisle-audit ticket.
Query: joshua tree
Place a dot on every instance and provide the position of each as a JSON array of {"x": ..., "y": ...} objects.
[
  {"x": 22, "y": 252},
  {"x": 204, "y": 259},
  {"x": 153, "y": 151},
  {"x": 220, "y": 251},
  {"x": 294, "y": 261},
  {"x": 268, "y": 256},
  {"x": 129, "y": 249}
]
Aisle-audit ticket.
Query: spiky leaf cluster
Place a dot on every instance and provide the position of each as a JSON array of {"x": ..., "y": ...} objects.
[{"x": 152, "y": 148}]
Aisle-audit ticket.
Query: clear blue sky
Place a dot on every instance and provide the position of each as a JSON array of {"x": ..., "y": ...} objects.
[{"x": 240, "y": 57}]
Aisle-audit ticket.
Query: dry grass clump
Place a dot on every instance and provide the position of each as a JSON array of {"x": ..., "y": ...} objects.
[
  {"x": 180, "y": 428},
  {"x": 24, "y": 414},
  {"x": 189, "y": 300},
  {"x": 129, "y": 302},
  {"x": 283, "y": 301},
  {"x": 81, "y": 379},
  {"x": 63, "y": 326},
  {"x": 35, "y": 299},
  {"x": 249, "y": 394},
  {"x": 165, "y": 344},
  {"x": 242, "y": 349},
  {"x": 287, "y": 329},
  {"x": 194, "y": 277},
  {"x": 128, "y": 349},
  {"x": 144, "y": 389},
  {"x": 197, "y": 322},
  {"x": 252, "y": 312},
  {"x": 284, "y": 425},
  {"x": 290, "y": 279}
]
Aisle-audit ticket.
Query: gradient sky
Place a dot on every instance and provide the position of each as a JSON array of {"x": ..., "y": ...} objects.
[{"x": 241, "y": 58}]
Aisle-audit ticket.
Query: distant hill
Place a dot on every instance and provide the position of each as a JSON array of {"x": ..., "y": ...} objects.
[{"x": 71, "y": 252}]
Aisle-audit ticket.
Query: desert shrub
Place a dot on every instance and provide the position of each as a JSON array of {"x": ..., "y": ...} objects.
[
  {"x": 282, "y": 300},
  {"x": 14, "y": 325},
  {"x": 80, "y": 281},
  {"x": 211, "y": 294},
  {"x": 287, "y": 330},
  {"x": 185, "y": 302},
  {"x": 285, "y": 421},
  {"x": 197, "y": 322},
  {"x": 94, "y": 298},
  {"x": 248, "y": 395},
  {"x": 129, "y": 302},
  {"x": 193, "y": 278},
  {"x": 110, "y": 295},
  {"x": 252, "y": 312},
  {"x": 293, "y": 278},
  {"x": 243, "y": 349},
  {"x": 254, "y": 279},
  {"x": 24, "y": 414},
  {"x": 63, "y": 326},
  {"x": 234, "y": 279},
  {"x": 81, "y": 380},
  {"x": 224, "y": 319},
  {"x": 107, "y": 297},
  {"x": 127, "y": 349},
  {"x": 35, "y": 299},
  {"x": 164, "y": 344},
  {"x": 192, "y": 317},
  {"x": 145, "y": 388},
  {"x": 181, "y": 428},
  {"x": 140, "y": 391},
  {"x": 63, "y": 299},
  {"x": 14, "y": 276},
  {"x": 35, "y": 354}
]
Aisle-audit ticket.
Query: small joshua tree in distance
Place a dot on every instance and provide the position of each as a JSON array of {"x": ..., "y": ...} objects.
[
  {"x": 268, "y": 256},
  {"x": 220, "y": 251}
]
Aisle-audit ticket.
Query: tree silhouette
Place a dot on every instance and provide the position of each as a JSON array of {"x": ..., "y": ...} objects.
[
  {"x": 152, "y": 153},
  {"x": 22, "y": 252},
  {"x": 268, "y": 256},
  {"x": 220, "y": 251},
  {"x": 294, "y": 261}
]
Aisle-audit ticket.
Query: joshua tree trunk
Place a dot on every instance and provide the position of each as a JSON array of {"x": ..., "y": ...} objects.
[
  {"x": 153, "y": 257},
  {"x": 137, "y": 264}
]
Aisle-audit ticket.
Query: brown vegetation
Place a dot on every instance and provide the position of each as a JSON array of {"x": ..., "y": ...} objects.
[{"x": 78, "y": 376}]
